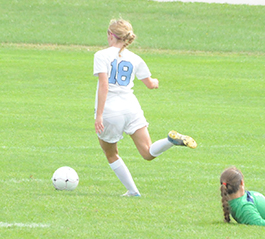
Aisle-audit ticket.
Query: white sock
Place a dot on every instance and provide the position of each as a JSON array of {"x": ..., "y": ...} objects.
[
  {"x": 159, "y": 147},
  {"x": 124, "y": 175}
]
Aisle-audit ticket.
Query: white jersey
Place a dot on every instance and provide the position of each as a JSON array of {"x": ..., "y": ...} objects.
[{"x": 121, "y": 71}]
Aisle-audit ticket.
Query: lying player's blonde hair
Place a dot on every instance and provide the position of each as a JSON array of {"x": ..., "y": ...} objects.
[
  {"x": 123, "y": 31},
  {"x": 230, "y": 181}
]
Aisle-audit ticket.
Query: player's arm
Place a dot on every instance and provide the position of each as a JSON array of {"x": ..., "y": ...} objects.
[
  {"x": 250, "y": 215},
  {"x": 151, "y": 83},
  {"x": 102, "y": 96}
]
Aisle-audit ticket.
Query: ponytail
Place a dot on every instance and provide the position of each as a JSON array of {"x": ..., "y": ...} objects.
[
  {"x": 230, "y": 180},
  {"x": 224, "y": 195},
  {"x": 123, "y": 31},
  {"x": 128, "y": 39}
]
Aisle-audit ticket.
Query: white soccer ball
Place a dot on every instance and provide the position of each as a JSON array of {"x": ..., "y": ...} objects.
[{"x": 65, "y": 178}]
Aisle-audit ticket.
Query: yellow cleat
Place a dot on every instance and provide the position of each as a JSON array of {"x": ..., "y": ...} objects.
[{"x": 181, "y": 140}]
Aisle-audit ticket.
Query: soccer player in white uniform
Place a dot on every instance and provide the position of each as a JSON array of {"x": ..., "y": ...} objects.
[{"x": 117, "y": 110}]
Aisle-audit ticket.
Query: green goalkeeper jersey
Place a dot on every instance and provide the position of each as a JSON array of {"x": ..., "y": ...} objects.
[{"x": 249, "y": 209}]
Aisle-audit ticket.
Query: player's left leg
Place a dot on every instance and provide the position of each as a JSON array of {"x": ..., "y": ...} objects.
[{"x": 118, "y": 166}]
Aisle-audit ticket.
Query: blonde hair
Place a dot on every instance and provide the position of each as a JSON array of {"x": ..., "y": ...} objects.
[
  {"x": 123, "y": 31},
  {"x": 230, "y": 181}
]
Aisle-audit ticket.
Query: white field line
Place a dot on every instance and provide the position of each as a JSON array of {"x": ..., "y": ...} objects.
[
  {"x": 60, "y": 149},
  {"x": 241, "y": 166},
  {"x": 248, "y": 2},
  {"x": 22, "y": 180},
  {"x": 45, "y": 149},
  {"x": 52, "y": 47},
  {"x": 28, "y": 225},
  {"x": 34, "y": 148}
]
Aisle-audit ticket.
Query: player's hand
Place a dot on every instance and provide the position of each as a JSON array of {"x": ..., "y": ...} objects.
[
  {"x": 155, "y": 83},
  {"x": 151, "y": 83},
  {"x": 99, "y": 127}
]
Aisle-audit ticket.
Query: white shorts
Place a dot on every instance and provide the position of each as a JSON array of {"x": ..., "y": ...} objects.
[{"x": 114, "y": 126}]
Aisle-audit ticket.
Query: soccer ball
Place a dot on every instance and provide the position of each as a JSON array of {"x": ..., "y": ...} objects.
[{"x": 65, "y": 178}]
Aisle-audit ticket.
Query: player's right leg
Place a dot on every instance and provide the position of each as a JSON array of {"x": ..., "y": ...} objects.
[
  {"x": 181, "y": 140},
  {"x": 142, "y": 141},
  {"x": 149, "y": 151}
]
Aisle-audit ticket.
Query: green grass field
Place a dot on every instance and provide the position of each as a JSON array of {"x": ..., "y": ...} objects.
[{"x": 211, "y": 87}]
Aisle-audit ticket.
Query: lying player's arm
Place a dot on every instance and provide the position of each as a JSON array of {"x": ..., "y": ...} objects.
[{"x": 251, "y": 215}]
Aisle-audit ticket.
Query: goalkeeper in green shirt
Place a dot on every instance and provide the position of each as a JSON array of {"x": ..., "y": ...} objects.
[{"x": 246, "y": 207}]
